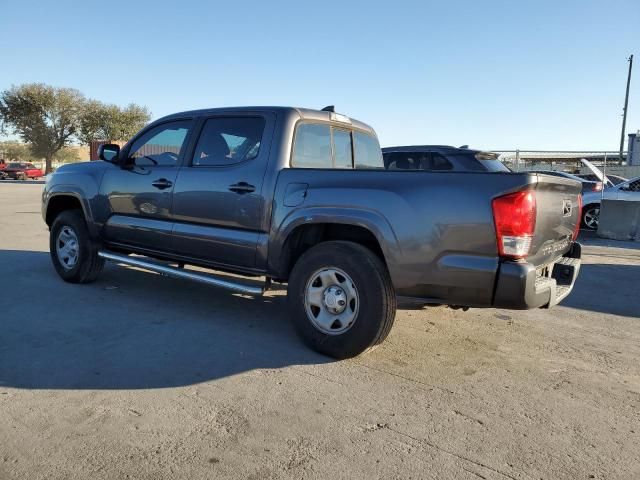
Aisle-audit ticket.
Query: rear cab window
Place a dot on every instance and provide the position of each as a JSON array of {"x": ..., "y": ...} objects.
[
  {"x": 312, "y": 148},
  {"x": 367, "y": 151},
  {"x": 321, "y": 145},
  {"x": 342, "y": 148}
]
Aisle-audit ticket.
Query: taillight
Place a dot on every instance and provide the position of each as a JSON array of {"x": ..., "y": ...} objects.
[
  {"x": 597, "y": 187},
  {"x": 576, "y": 229},
  {"x": 515, "y": 218}
]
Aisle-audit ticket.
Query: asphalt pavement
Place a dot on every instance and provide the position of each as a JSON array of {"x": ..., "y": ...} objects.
[{"x": 143, "y": 376}]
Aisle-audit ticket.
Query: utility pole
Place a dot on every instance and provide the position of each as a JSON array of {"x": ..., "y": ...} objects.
[{"x": 624, "y": 111}]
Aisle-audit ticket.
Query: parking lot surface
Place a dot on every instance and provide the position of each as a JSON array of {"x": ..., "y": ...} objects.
[{"x": 141, "y": 376}]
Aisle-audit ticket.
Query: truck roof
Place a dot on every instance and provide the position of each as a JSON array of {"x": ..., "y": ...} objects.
[
  {"x": 299, "y": 113},
  {"x": 427, "y": 148}
]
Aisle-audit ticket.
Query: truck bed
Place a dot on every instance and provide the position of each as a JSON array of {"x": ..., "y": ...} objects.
[{"x": 436, "y": 229}]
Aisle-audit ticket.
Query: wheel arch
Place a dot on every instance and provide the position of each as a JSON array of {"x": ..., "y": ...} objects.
[
  {"x": 60, "y": 201},
  {"x": 305, "y": 229}
]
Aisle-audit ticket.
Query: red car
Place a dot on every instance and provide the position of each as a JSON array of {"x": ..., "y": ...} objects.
[{"x": 22, "y": 171}]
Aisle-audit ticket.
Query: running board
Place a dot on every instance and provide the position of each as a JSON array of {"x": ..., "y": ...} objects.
[{"x": 181, "y": 273}]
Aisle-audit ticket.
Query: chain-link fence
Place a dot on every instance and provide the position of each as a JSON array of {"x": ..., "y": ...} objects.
[
  {"x": 558, "y": 160},
  {"x": 569, "y": 161},
  {"x": 613, "y": 210}
]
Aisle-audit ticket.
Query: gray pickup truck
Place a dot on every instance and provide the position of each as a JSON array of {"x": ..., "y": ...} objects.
[{"x": 302, "y": 197}]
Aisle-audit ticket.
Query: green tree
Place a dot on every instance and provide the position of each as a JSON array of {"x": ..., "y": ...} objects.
[
  {"x": 16, "y": 151},
  {"x": 92, "y": 119},
  {"x": 45, "y": 117},
  {"x": 100, "y": 121},
  {"x": 129, "y": 121},
  {"x": 67, "y": 154}
]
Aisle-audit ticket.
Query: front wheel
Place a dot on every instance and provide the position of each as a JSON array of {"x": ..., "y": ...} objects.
[
  {"x": 73, "y": 253},
  {"x": 341, "y": 299},
  {"x": 590, "y": 217}
]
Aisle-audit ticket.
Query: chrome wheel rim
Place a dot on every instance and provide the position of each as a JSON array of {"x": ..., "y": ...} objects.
[
  {"x": 331, "y": 301},
  {"x": 67, "y": 248},
  {"x": 591, "y": 218}
]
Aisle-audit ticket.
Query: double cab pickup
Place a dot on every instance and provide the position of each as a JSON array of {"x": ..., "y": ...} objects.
[{"x": 302, "y": 197}]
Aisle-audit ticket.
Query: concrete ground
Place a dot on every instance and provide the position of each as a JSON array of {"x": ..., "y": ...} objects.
[{"x": 140, "y": 376}]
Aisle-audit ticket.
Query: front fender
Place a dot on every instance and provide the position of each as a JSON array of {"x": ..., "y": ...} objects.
[
  {"x": 75, "y": 192},
  {"x": 80, "y": 181}
]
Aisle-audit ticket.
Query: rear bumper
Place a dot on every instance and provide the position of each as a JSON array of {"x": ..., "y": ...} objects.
[{"x": 521, "y": 286}]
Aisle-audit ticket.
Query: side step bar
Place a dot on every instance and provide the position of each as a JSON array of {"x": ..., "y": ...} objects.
[{"x": 181, "y": 273}]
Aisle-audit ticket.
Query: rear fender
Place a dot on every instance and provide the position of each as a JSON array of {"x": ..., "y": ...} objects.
[{"x": 368, "y": 219}]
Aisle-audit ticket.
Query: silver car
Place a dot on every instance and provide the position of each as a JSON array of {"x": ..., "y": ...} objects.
[{"x": 629, "y": 190}]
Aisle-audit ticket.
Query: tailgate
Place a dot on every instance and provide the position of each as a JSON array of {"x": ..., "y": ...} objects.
[{"x": 558, "y": 213}]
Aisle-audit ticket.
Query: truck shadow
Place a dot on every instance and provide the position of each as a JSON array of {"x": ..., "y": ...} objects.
[
  {"x": 132, "y": 329},
  {"x": 135, "y": 330}
]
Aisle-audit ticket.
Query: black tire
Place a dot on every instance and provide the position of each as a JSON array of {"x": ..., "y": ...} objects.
[
  {"x": 587, "y": 215},
  {"x": 376, "y": 298},
  {"x": 88, "y": 265}
]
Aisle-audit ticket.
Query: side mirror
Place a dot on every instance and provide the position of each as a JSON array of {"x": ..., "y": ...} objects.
[{"x": 108, "y": 152}]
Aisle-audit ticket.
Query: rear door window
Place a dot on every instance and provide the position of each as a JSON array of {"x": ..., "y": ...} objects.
[{"x": 228, "y": 140}]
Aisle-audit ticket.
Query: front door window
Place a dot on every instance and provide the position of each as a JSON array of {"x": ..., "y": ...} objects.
[{"x": 160, "y": 146}]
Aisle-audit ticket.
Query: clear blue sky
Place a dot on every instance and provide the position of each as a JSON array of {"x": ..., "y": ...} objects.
[{"x": 492, "y": 74}]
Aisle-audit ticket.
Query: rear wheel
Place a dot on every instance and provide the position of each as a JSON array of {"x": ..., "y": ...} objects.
[
  {"x": 341, "y": 299},
  {"x": 590, "y": 216},
  {"x": 73, "y": 253}
]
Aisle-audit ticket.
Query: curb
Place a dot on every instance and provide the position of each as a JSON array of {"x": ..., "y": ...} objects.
[{"x": 24, "y": 182}]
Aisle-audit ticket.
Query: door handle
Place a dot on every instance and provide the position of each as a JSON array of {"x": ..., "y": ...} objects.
[
  {"x": 242, "y": 187},
  {"x": 162, "y": 183}
]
